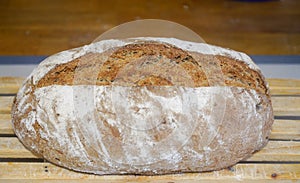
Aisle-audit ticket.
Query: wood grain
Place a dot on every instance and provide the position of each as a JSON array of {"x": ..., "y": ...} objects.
[
  {"x": 12, "y": 148},
  {"x": 5, "y": 124},
  {"x": 284, "y": 86},
  {"x": 278, "y": 151},
  {"x": 286, "y": 130},
  {"x": 279, "y": 82},
  {"x": 10, "y": 85},
  {"x": 46, "y": 27},
  {"x": 286, "y": 106},
  {"x": 5, "y": 104},
  {"x": 240, "y": 172}
]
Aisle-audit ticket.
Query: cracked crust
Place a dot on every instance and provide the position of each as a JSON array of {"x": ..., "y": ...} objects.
[{"x": 235, "y": 72}]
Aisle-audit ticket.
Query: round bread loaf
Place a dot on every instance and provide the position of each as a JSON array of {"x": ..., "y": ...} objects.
[{"x": 144, "y": 106}]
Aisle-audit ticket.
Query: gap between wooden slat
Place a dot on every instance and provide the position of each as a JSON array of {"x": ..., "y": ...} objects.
[
  {"x": 287, "y": 117},
  {"x": 11, "y": 147},
  {"x": 283, "y": 106},
  {"x": 239, "y": 172},
  {"x": 27, "y": 160},
  {"x": 282, "y": 129},
  {"x": 277, "y": 86}
]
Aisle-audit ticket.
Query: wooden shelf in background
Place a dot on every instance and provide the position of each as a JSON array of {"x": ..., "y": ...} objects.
[{"x": 47, "y": 27}]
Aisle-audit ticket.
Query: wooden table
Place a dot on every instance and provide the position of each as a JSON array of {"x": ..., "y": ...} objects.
[
  {"x": 45, "y": 27},
  {"x": 279, "y": 161}
]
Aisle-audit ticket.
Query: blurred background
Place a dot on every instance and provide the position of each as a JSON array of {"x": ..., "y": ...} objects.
[{"x": 269, "y": 31}]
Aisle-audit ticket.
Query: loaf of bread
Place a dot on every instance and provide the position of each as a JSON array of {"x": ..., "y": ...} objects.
[{"x": 144, "y": 106}]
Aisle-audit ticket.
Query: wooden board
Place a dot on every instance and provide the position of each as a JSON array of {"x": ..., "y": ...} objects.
[
  {"x": 286, "y": 106},
  {"x": 240, "y": 172},
  {"x": 46, "y": 27},
  {"x": 5, "y": 104},
  {"x": 286, "y": 130},
  {"x": 10, "y": 85},
  {"x": 284, "y": 86},
  {"x": 278, "y": 161},
  {"x": 5, "y": 124}
]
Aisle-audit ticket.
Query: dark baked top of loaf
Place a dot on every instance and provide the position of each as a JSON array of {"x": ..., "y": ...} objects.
[{"x": 154, "y": 64}]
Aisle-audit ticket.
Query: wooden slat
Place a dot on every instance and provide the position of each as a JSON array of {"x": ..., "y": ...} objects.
[
  {"x": 283, "y": 106},
  {"x": 285, "y": 90},
  {"x": 5, "y": 124},
  {"x": 240, "y": 172},
  {"x": 278, "y": 151},
  {"x": 10, "y": 84},
  {"x": 283, "y": 82},
  {"x": 278, "y": 86},
  {"x": 11, "y": 147},
  {"x": 5, "y": 104},
  {"x": 286, "y": 129},
  {"x": 274, "y": 151},
  {"x": 279, "y": 82},
  {"x": 286, "y": 106},
  {"x": 284, "y": 86}
]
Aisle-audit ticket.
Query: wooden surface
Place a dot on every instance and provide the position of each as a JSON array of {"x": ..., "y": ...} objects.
[
  {"x": 46, "y": 27},
  {"x": 279, "y": 161}
]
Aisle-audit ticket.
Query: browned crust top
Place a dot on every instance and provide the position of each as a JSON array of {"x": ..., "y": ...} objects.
[{"x": 154, "y": 64}]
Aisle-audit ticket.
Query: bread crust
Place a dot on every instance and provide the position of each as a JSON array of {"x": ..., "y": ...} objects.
[{"x": 150, "y": 126}]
